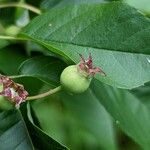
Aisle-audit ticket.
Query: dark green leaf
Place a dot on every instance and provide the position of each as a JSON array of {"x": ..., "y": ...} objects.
[
  {"x": 3, "y": 43},
  {"x": 31, "y": 84},
  {"x": 7, "y": 16},
  {"x": 111, "y": 26},
  {"x": 45, "y": 68},
  {"x": 10, "y": 60},
  {"x": 125, "y": 30},
  {"x": 13, "y": 132}
]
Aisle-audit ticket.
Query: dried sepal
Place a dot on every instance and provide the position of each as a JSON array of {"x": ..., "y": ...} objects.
[
  {"x": 14, "y": 92},
  {"x": 87, "y": 67}
]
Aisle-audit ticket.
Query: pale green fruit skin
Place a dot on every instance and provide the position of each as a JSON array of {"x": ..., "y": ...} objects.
[
  {"x": 4, "y": 103},
  {"x": 73, "y": 81}
]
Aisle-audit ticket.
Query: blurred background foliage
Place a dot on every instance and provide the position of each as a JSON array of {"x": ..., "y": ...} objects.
[{"x": 79, "y": 122}]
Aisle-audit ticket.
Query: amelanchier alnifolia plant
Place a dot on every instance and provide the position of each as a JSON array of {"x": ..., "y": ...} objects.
[{"x": 74, "y": 79}]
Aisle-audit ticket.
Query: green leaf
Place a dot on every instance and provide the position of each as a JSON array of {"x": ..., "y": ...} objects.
[
  {"x": 7, "y": 16},
  {"x": 10, "y": 60},
  {"x": 87, "y": 25},
  {"x": 31, "y": 84},
  {"x": 45, "y": 68},
  {"x": 13, "y": 132},
  {"x": 40, "y": 139},
  {"x": 112, "y": 26},
  {"x": 130, "y": 114}
]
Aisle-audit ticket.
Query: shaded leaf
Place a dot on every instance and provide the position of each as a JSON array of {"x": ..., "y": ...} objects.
[
  {"x": 10, "y": 60},
  {"x": 71, "y": 116},
  {"x": 7, "y": 16},
  {"x": 13, "y": 132},
  {"x": 31, "y": 84},
  {"x": 91, "y": 116},
  {"x": 3, "y": 43},
  {"x": 129, "y": 113},
  {"x": 40, "y": 139},
  {"x": 45, "y": 68}
]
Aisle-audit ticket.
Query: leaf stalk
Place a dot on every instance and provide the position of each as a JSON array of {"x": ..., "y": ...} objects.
[
  {"x": 22, "y": 5},
  {"x": 3, "y": 37}
]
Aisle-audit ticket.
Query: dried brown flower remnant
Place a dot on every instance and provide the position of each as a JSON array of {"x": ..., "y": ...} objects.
[
  {"x": 13, "y": 91},
  {"x": 87, "y": 66}
]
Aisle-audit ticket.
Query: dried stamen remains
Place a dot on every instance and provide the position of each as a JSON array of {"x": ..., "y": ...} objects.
[{"x": 87, "y": 67}]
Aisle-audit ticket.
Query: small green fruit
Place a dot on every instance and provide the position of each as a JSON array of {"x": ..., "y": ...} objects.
[
  {"x": 5, "y": 104},
  {"x": 74, "y": 81},
  {"x": 76, "y": 78}
]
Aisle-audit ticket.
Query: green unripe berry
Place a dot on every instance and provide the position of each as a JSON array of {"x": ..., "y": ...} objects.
[
  {"x": 74, "y": 81},
  {"x": 4, "y": 103}
]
